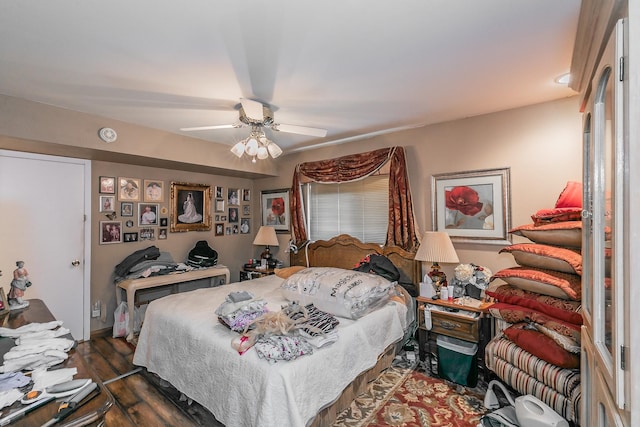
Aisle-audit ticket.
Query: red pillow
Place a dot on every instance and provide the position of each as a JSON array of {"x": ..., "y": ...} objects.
[
  {"x": 562, "y": 309},
  {"x": 546, "y": 216},
  {"x": 571, "y": 196},
  {"x": 547, "y": 257},
  {"x": 545, "y": 282},
  {"x": 541, "y": 346}
]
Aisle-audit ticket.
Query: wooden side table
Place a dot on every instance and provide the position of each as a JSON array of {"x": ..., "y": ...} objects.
[
  {"x": 90, "y": 413},
  {"x": 457, "y": 321}
]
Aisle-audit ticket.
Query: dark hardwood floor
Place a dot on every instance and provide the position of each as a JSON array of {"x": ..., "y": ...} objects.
[{"x": 139, "y": 399}]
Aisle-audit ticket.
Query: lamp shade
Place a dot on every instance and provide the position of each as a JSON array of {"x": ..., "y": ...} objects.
[
  {"x": 436, "y": 247},
  {"x": 266, "y": 237}
]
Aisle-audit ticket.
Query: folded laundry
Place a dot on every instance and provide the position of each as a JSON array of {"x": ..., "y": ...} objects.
[{"x": 31, "y": 327}]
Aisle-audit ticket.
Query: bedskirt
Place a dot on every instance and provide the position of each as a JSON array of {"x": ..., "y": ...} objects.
[{"x": 557, "y": 387}]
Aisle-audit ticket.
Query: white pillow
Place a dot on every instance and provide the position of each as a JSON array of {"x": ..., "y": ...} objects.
[{"x": 344, "y": 293}]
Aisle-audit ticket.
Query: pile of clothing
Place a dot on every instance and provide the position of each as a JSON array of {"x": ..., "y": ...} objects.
[
  {"x": 145, "y": 263},
  {"x": 287, "y": 334}
]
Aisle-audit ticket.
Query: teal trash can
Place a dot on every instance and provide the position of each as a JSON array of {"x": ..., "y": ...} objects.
[{"x": 457, "y": 360}]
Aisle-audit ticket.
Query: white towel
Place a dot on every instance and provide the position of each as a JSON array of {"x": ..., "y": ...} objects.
[{"x": 31, "y": 327}]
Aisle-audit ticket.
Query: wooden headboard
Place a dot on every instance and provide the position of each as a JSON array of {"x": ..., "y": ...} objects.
[{"x": 345, "y": 251}]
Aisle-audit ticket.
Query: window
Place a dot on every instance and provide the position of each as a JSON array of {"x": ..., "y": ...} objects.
[{"x": 358, "y": 208}]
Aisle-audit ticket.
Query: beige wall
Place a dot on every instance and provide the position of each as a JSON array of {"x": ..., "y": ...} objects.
[{"x": 541, "y": 144}]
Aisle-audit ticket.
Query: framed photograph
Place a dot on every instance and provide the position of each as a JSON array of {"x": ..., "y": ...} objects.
[
  {"x": 246, "y": 210},
  {"x": 126, "y": 209},
  {"x": 473, "y": 206},
  {"x": 219, "y": 205},
  {"x": 227, "y": 230},
  {"x": 233, "y": 196},
  {"x": 162, "y": 233},
  {"x": 153, "y": 190},
  {"x": 245, "y": 226},
  {"x": 164, "y": 222},
  {"x": 190, "y": 207},
  {"x": 4, "y": 303},
  {"x": 107, "y": 203},
  {"x": 129, "y": 189},
  {"x": 275, "y": 210},
  {"x": 129, "y": 223},
  {"x": 147, "y": 234},
  {"x": 148, "y": 214},
  {"x": 246, "y": 195},
  {"x": 130, "y": 237},
  {"x": 110, "y": 232},
  {"x": 233, "y": 215},
  {"x": 107, "y": 185},
  {"x": 219, "y": 229},
  {"x": 219, "y": 192}
]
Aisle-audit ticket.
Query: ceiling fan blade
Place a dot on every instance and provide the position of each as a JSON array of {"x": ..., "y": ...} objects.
[
  {"x": 209, "y": 128},
  {"x": 300, "y": 130},
  {"x": 252, "y": 109}
]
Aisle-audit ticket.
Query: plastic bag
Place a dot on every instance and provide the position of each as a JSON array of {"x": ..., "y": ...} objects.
[{"x": 121, "y": 320}]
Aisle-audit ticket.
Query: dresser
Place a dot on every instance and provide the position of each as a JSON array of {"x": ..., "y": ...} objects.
[{"x": 90, "y": 413}]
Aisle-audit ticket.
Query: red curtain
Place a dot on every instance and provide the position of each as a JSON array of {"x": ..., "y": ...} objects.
[{"x": 401, "y": 230}]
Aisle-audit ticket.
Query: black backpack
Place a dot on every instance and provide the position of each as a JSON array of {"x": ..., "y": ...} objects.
[{"x": 202, "y": 255}]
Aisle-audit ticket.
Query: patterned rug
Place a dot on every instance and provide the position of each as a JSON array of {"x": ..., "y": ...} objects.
[{"x": 406, "y": 397}]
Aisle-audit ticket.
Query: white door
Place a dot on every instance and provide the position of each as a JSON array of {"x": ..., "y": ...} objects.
[{"x": 43, "y": 202}]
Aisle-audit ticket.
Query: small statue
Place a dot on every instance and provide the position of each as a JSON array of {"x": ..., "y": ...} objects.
[{"x": 19, "y": 284}]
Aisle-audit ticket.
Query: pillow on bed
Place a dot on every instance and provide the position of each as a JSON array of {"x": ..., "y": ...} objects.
[
  {"x": 562, "y": 309},
  {"x": 546, "y": 216},
  {"x": 516, "y": 314},
  {"x": 547, "y": 257},
  {"x": 545, "y": 282},
  {"x": 345, "y": 293},
  {"x": 286, "y": 272},
  {"x": 541, "y": 346},
  {"x": 567, "y": 233}
]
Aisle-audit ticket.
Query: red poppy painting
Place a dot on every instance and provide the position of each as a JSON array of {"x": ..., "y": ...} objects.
[{"x": 472, "y": 205}]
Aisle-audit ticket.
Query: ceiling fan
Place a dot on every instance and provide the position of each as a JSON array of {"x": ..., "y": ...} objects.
[{"x": 256, "y": 115}]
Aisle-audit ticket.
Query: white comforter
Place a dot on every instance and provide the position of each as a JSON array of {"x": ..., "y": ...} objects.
[{"x": 183, "y": 342}]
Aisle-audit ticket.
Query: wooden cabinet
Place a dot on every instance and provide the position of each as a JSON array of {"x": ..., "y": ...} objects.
[{"x": 605, "y": 245}]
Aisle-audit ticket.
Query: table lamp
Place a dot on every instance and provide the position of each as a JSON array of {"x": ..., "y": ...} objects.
[
  {"x": 266, "y": 237},
  {"x": 436, "y": 247}
]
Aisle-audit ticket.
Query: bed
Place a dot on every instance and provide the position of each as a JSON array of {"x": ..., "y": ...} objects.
[{"x": 183, "y": 342}]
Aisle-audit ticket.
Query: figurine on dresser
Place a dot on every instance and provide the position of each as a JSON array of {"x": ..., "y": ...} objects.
[{"x": 19, "y": 285}]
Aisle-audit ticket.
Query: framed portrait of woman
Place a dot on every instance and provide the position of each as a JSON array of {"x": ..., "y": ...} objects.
[
  {"x": 190, "y": 207},
  {"x": 153, "y": 190}
]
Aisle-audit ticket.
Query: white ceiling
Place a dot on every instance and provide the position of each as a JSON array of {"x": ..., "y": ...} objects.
[{"x": 352, "y": 67}]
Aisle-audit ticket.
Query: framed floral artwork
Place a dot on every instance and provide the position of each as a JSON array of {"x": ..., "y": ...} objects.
[
  {"x": 473, "y": 206},
  {"x": 275, "y": 210},
  {"x": 190, "y": 207}
]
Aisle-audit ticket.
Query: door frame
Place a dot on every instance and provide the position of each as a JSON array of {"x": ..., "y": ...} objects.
[{"x": 86, "y": 262}]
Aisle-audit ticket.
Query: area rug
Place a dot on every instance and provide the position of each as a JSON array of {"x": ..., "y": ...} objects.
[{"x": 406, "y": 397}]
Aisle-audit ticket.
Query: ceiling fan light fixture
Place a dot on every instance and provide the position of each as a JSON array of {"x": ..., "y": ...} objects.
[
  {"x": 238, "y": 149},
  {"x": 274, "y": 150},
  {"x": 251, "y": 147},
  {"x": 262, "y": 152}
]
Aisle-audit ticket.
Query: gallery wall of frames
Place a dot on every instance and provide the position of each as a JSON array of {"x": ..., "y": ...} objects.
[{"x": 137, "y": 209}]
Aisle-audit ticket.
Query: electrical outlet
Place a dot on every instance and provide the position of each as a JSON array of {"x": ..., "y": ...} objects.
[{"x": 95, "y": 309}]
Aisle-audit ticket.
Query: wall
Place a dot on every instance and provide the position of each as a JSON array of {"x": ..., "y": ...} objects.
[
  {"x": 540, "y": 143},
  {"x": 233, "y": 250}
]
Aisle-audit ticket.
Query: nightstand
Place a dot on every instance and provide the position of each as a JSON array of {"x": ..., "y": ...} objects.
[
  {"x": 249, "y": 273},
  {"x": 454, "y": 320}
]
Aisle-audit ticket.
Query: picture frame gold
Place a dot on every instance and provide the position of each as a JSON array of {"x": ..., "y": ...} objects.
[{"x": 190, "y": 207}]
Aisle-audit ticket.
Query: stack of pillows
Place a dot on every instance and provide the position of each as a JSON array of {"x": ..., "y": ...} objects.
[{"x": 539, "y": 351}]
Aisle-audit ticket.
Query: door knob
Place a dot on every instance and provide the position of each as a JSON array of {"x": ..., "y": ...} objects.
[{"x": 75, "y": 262}]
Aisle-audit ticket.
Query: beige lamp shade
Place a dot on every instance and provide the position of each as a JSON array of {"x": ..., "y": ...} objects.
[
  {"x": 436, "y": 247},
  {"x": 266, "y": 237}
]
